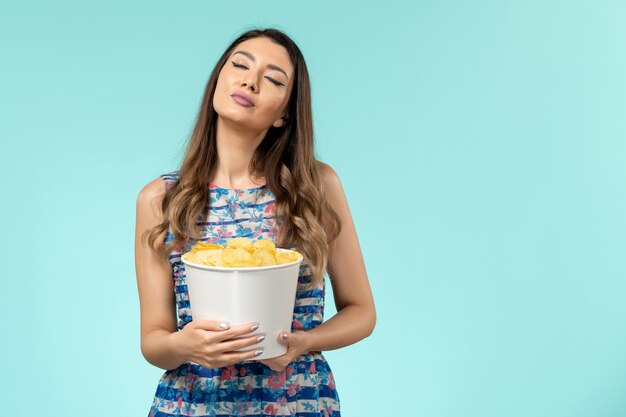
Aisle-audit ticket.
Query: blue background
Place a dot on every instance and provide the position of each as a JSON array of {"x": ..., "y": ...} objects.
[{"x": 481, "y": 146}]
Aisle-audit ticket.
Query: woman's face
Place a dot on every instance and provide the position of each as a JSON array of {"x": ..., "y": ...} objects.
[{"x": 263, "y": 71}]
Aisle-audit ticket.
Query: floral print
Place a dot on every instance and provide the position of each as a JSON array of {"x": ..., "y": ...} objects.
[{"x": 305, "y": 388}]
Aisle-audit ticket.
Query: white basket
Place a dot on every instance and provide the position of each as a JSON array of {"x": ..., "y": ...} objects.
[{"x": 264, "y": 294}]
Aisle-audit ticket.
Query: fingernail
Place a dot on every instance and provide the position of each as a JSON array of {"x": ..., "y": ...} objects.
[
  {"x": 258, "y": 352},
  {"x": 253, "y": 328},
  {"x": 285, "y": 335},
  {"x": 260, "y": 338},
  {"x": 225, "y": 325}
]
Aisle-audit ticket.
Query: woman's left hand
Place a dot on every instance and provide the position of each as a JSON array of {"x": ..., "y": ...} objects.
[{"x": 297, "y": 344}]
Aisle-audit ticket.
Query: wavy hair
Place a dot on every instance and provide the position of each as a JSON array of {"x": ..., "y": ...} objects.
[{"x": 285, "y": 158}]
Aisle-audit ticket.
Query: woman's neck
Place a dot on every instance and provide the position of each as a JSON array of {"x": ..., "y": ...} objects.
[{"x": 235, "y": 148}]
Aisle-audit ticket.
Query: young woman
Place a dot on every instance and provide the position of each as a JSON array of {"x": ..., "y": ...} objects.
[{"x": 250, "y": 171}]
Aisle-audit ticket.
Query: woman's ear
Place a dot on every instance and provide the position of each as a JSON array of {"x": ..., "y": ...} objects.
[{"x": 280, "y": 122}]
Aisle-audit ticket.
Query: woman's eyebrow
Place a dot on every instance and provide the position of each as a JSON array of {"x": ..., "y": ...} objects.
[{"x": 270, "y": 66}]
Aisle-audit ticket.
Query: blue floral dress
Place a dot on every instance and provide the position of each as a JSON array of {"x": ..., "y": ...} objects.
[{"x": 305, "y": 388}]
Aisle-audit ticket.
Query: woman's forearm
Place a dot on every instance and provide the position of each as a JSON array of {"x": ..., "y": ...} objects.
[
  {"x": 351, "y": 324},
  {"x": 157, "y": 348}
]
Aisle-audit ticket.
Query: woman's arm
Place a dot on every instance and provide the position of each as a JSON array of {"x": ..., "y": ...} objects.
[
  {"x": 154, "y": 283},
  {"x": 356, "y": 314},
  {"x": 201, "y": 341}
]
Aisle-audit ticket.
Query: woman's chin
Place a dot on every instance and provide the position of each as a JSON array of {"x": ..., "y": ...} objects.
[{"x": 242, "y": 123}]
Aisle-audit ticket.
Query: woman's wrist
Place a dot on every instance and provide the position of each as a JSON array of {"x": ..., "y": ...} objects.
[
  {"x": 161, "y": 348},
  {"x": 174, "y": 347},
  {"x": 348, "y": 326},
  {"x": 309, "y": 341}
]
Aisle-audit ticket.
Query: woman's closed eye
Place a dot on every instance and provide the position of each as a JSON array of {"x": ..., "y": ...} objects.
[{"x": 269, "y": 78}]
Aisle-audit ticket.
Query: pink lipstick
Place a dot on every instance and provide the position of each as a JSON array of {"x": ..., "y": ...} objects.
[{"x": 242, "y": 99}]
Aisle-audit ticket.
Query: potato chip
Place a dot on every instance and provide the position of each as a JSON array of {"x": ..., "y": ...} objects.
[
  {"x": 230, "y": 255},
  {"x": 240, "y": 242},
  {"x": 209, "y": 256},
  {"x": 263, "y": 257},
  {"x": 241, "y": 264},
  {"x": 192, "y": 257},
  {"x": 240, "y": 253},
  {"x": 220, "y": 262},
  {"x": 286, "y": 257},
  {"x": 265, "y": 244},
  {"x": 205, "y": 245}
]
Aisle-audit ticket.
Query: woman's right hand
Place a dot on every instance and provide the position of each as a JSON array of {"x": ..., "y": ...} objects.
[{"x": 206, "y": 343}]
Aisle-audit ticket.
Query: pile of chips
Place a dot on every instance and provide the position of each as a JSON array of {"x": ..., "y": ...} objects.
[{"x": 240, "y": 252}]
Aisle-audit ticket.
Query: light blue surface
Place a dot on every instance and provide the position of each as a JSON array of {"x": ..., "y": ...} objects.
[{"x": 481, "y": 146}]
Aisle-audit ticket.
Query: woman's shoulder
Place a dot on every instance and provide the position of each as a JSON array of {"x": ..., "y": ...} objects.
[
  {"x": 154, "y": 191},
  {"x": 325, "y": 170},
  {"x": 328, "y": 175},
  {"x": 151, "y": 193}
]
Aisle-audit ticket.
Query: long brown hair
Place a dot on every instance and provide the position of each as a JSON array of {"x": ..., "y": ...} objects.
[{"x": 285, "y": 158}]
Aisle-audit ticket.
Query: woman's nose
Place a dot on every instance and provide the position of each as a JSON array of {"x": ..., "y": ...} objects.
[
  {"x": 250, "y": 84},
  {"x": 250, "y": 80}
]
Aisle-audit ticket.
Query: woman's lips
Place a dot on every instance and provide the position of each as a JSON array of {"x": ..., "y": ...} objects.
[{"x": 241, "y": 100}]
